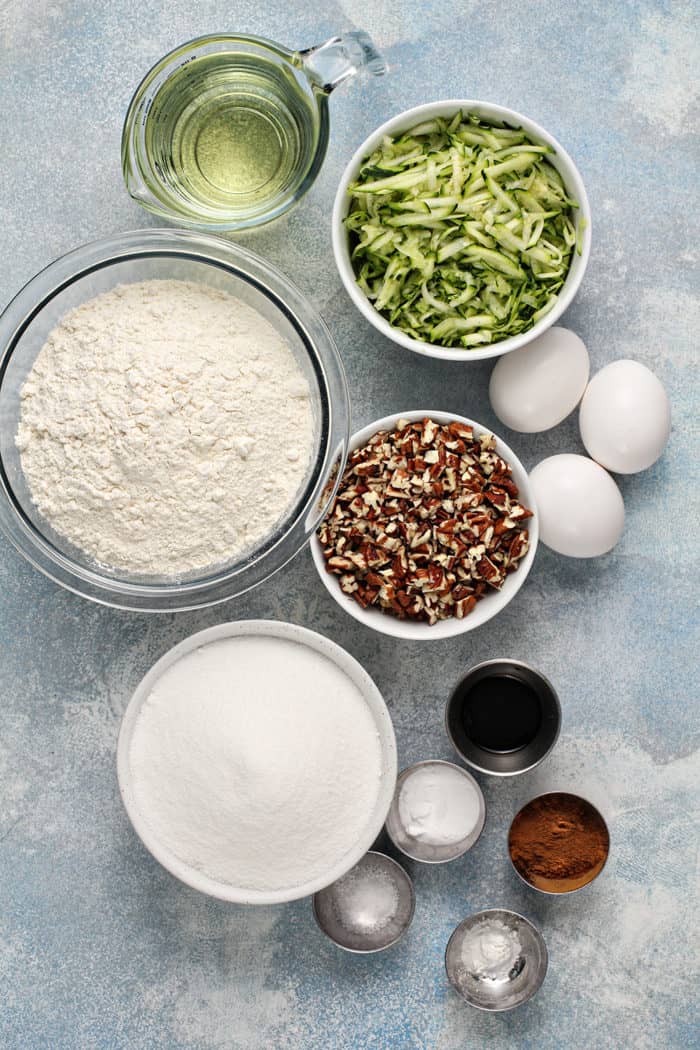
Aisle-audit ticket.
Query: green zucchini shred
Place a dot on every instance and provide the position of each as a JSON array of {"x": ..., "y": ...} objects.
[{"x": 461, "y": 233}]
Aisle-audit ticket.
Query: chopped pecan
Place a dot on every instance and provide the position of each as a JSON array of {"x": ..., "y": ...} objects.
[
  {"x": 463, "y": 606},
  {"x": 426, "y": 522},
  {"x": 497, "y": 497},
  {"x": 338, "y": 564}
]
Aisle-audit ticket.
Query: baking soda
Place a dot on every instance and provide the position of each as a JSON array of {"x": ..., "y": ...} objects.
[{"x": 491, "y": 950}]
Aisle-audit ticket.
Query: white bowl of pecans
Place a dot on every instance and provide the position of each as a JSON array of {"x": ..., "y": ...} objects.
[{"x": 433, "y": 529}]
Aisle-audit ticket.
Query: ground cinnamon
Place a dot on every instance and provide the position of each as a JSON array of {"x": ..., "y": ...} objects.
[{"x": 558, "y": 842}]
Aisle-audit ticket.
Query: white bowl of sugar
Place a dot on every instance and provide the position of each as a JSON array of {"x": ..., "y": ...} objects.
[{"x": 257, "y": 761}]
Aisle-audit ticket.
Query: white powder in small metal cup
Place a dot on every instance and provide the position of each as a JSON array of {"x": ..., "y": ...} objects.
[
  {"x": 438, "y": 805},
  {"x": 491, "y": 950},
  {"x": 256, "y": 761}
]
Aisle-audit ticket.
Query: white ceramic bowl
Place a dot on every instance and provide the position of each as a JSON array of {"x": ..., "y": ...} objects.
[
  {"x": 380, "y": 716},
  {"x": 497, "y": 115},
  {"x": 491, "y": 603}
]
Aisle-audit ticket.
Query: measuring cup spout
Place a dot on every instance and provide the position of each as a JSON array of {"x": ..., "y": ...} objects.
[
  {"x": 134, "y": 183},
  {"x": 340, "y": 58}
]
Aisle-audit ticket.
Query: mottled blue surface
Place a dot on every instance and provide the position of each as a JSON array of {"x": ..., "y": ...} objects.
[{"x": 99, "y": 947}]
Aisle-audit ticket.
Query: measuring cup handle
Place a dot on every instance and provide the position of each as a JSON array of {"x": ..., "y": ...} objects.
[{"x": 342, "y": 57}]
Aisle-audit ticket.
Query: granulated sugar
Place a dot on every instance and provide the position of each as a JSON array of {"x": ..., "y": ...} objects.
[{"x": 257, "y": 761}]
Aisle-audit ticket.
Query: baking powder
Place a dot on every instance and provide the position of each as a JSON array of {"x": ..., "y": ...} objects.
[
  {"x": 438, "y": 805},
  {"x": 165, "y": 426}
]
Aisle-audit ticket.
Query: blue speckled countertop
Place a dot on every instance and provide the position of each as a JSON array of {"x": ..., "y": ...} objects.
[{"x": 100, "y": 947}]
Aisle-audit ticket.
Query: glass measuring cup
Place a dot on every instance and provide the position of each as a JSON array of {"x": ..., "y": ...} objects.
[{"x": 228, "y": 132}]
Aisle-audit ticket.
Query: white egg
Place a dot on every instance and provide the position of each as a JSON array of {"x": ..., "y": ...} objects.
[
  {"x": 534, "y": 388},
  {"x": 625, "y": 417},
  {"x": 580, "y": 508}
]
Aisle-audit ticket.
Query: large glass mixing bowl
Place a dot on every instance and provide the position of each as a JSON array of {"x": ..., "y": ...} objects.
[{"x": 175, "y": 255}]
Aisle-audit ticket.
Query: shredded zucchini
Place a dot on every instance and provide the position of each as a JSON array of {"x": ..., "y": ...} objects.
[{"x": 461, "y": 233}]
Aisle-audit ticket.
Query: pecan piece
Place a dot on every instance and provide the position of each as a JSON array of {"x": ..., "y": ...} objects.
[{"x": 426, "y": 521}]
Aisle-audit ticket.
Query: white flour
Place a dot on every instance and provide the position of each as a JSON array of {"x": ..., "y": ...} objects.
[
  {"x": 165, "y": 426},
  {"x": 256, "y": 761}
]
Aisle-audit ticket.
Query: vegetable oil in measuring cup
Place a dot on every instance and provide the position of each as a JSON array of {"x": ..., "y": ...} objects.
[{"x": 231, "y": 134}]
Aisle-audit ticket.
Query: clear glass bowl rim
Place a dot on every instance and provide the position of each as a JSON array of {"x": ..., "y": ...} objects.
[{"x": 231, "y": 582}]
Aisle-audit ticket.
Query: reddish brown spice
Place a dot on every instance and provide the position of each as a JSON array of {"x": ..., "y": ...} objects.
[{"x": 558, "y": 842}]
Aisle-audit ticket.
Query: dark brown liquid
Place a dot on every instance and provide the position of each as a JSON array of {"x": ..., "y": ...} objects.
[{"x": 501, "y": 713}]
